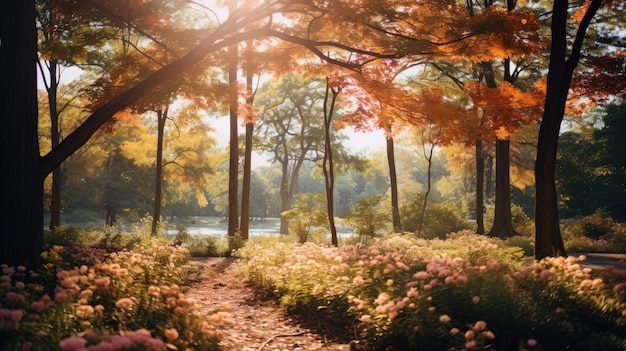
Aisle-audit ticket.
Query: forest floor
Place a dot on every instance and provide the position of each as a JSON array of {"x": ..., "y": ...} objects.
[{"x": 257, "y": 324}]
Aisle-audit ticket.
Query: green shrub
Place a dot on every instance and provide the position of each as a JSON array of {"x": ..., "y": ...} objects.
[
  {"x": 61, "y": 236},
  {"x": 308, "y": 217},
  {"x": 367, "y": 218},
  {"x": 594, "y": 233},
  {"x": 525, "y": 243},
  {"x": 522, "y": 224},
  {"x": 442, "y": 219},
  {"x": 235, "y": 243}
]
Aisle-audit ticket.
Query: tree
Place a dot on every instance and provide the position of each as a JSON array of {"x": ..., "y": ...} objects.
[
  {"x": 290, "y": 128},
  {"x": 233, "y": 169},
  {"x": 21, "y": 188},
  {"x": 64, "y": 40},
  {"x": 307, "y": 217},
  {"x": 563, "y": 61},
  {"x": 367, "y": 218},
  {"x": 612, "y": 146},
  {"x": 430, "y": 138},
  {"x": 328, "y": 167}
]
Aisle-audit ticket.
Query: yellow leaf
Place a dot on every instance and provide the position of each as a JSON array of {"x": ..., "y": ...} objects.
[{"x": 502, "y": 133}]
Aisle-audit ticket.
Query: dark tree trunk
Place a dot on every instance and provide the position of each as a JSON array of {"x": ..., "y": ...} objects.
[
  {"x": 480, "y": 182},
  {"x": 327, "y": 162},
  {"x": 502, "y": 224},
  {"x": 158, "y": 188},
  {"x": 285, "y": 201},
  {"x": 288, "y": 187},
  {"x": 429, "y": 159},
  {"x": 393, "y": 183},
  {"x": 110, "y": 215},
  {"x": 489, "y": 188},
  {"x": 244, "y": 227},
  {"x": 548, "y": 240},
  {"x": 233, "y": 170},
  {"x": 55, "y": 198},
  {"x": 21, "y": 186}
]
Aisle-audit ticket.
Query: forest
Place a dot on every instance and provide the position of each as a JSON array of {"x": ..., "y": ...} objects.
[{"x": 495, "y": 123}]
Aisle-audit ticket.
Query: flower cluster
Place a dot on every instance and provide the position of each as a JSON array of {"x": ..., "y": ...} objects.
[
  {"x": 406, "y": 293},
  {"x": 108, "y": 301}
]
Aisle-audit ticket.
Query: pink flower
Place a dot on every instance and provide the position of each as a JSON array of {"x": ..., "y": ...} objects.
[
  {"x": 60, "y": 296},
  {"x": 480, "y": 325},
  {"x": 37, "y": 306},
  {"x": 124, "y": 303},
  {"x": 15, "y": 298},
  {"x": 470, "y": 344},
  {"x": 84, "y": 311},
  {"x": 545, "y": 274},
  {"x": 73, "y": 344},
  {"x": 454, "y": 331},
  {"x": 99, "y": 308},
  {"x": 16, "y": 315},
  {"x": 106, "y": 346},
  {"x": 170, "y": 334},
  {"x": 102, "y": 282},
  {"x": 531, "y": 342},
  {"x": 469, "y": 335},
  {"x": 475, "y": 299},
  {"x": 121, "y": 342},
  {"x": 444, "y": 318},
  {"x": 382, "y": 298},
  {"x": 421, "y": 275}
]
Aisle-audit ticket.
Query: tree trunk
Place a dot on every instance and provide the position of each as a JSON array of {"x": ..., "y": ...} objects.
[
  {"x": 244, "y": 226},
  {"x": 55, "y": 198},
  {"x": 480, "y": 182},
  {"x": 110, "y": 215},
  {"x": 156, "y": 218},
  {"x": 393, "y": 183},
  {"x": 502, "y": 224},
  {"x": 548, "y": 240},
  {"x": 285, "y": 198},
  {"x": 233, "y": 170},
  {"x": 429, "y": 159},
  {"x": 489, "y": 188},
  {"x": 21, "y": 186},
  {"x": 327, "y": 163}
]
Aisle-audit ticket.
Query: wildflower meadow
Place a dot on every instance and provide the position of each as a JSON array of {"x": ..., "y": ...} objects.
[
  {"x": 103, "y": 297},
  {"x": 468, "y": 292},
  {"x": 398, "y": 292}
]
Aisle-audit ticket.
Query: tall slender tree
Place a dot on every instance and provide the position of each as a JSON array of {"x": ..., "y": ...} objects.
[
  {"x": 328, "y": 167},
  {"x": 563, "y": 61}
]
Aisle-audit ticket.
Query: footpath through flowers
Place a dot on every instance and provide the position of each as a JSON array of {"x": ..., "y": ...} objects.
[{"x": 249, "y": 323}]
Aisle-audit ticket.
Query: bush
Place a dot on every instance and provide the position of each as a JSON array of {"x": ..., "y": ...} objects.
[
  {"x": 466, "y": 292},
  {"x": 367, "y": 218},
  {"x": 594, "y": 233},
  {"x": 308, "y": 217},
  {"x": 442, "y": 219},
  {"x": 61, "y": 236},
  {"x": 91, "y": 296}
]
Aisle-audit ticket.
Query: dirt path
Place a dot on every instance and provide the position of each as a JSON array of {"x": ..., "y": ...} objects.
[{"x": 256, "y": 325}]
